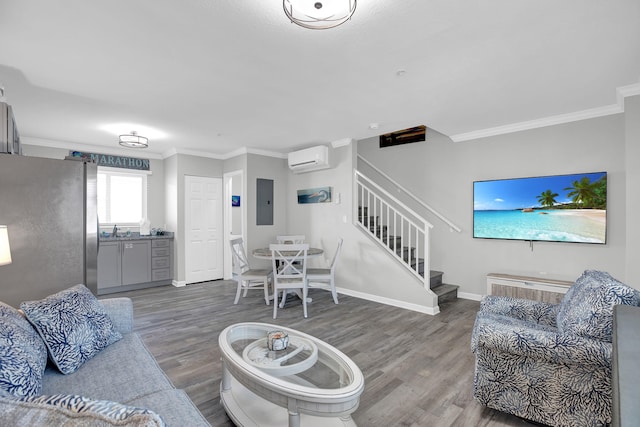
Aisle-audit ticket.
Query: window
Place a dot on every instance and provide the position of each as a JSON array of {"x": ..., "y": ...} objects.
[{"x": 122, "y": 196}]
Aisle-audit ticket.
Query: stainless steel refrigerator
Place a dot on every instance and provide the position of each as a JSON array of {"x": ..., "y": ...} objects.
[{"x": 49, "y": 207}]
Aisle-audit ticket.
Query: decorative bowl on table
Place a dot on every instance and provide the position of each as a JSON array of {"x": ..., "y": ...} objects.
[{"x": 277, "y": 340}]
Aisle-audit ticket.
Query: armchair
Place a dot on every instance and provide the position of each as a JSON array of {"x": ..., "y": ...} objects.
[{"x": 550, "y": 363}]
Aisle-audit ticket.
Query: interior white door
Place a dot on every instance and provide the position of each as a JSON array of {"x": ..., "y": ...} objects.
[{"x": 203, "y": 229}]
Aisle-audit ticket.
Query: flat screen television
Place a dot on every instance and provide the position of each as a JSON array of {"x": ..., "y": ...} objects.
[{"x": 558, "y": 208}]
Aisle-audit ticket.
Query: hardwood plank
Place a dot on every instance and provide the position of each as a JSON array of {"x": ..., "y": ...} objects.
[{"x": 418, "y": 368}]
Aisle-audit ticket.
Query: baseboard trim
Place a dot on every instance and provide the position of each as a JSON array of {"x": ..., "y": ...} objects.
[
  {"x": 179, "y": 283},
  {"x": 389, "y": 301},
  {"x": 467, "y": 295}
]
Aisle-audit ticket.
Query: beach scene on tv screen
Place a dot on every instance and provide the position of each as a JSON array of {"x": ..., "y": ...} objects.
[{"x": 560, "y": 208}]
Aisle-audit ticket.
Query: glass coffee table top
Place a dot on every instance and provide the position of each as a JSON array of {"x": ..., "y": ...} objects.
[
  {"x": 300, "y": 355},
  {"x": 317, "y": 377}
]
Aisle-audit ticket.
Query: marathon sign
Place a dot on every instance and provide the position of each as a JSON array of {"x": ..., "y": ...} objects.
[{"x": 113, "y": 161}]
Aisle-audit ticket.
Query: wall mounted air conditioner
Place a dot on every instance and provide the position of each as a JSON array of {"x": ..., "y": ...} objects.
[{"x": 309, "y": 159}]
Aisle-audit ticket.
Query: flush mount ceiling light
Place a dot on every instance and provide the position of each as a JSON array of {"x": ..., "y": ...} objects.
[
  {"x": 133, "y": 140},
  {"x": 319, "y": 15}
]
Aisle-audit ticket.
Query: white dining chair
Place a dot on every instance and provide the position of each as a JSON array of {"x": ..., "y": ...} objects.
[
  {"x": 289, "y": 262},
  {"x": 325, "y": 277},
  {"x": 290, "y": 239},
  {"x": 247, "y": 277}
]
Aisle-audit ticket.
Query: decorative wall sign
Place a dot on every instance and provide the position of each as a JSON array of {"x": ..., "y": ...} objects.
[
  {"x": 404, "y": 136},
  {"x": 114, "y": 161},
  {"x": 314, "y": 195},
  {"x": 235, "y": 201}
]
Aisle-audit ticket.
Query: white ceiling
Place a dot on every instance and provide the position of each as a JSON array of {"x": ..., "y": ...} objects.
[{"x": 213, "y": 76}]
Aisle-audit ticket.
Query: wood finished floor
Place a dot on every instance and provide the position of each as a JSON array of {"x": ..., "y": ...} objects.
[{"x": 418, "y": 368}]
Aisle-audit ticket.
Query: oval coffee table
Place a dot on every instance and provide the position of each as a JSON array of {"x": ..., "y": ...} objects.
[{"x": 309, "y": 384}]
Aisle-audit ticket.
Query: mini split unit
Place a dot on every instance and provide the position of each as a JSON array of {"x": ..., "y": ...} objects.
[{"x": 310, "y": 159}]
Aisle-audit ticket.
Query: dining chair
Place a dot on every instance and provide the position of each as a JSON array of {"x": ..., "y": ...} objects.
[
  {"x": 291, "y": 273},
  {"x": 325, "y": 277},
  {"x": 290, "y": 239},
  {"x": 247, "y": 277}
]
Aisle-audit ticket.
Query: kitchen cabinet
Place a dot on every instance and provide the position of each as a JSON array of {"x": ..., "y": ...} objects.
[
  {"x": 109, "y": 265},
  {"x": 134, "y": 263},
  {"x": 161, "y": 260}
]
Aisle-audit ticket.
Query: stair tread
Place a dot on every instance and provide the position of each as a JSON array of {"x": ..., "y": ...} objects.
[
  {"x": 444, "y": 288},
  {"x": 444, "y": 291}
]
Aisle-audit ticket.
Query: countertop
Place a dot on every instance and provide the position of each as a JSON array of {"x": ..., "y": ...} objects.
[{"x": 136, "y": 236}]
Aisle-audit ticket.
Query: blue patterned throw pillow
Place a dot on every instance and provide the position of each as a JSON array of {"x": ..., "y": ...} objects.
[
  {"x": 23, "y": 355},
  {"x": 84, "y": 411},
  {"x": 74, "y": 326},
  {"x": 587, "y": 308}
]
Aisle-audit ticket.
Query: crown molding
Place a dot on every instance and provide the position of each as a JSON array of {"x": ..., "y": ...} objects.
[
  {"x": 342, "y": 142},
  {"x": 74, "y": 146},
  {"x": 265, "y": 153},
  {"x": 621, "y": 93},
  {"x": 174, "y": 151},
  {"x": 230, "y": 155},
  {"x": 625, "y": 91}
]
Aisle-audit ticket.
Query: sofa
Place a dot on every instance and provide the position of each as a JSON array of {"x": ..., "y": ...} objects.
[
  {"x": 550, "y": 363},
  {"x": 111, "y": 381}
]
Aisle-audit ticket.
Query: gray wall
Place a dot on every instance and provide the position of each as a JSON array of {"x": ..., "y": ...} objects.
[
  {"x": 155, "y": 180},
  {"x": 177, "y": 167},
  {"x": 171, "y": 204},
  {"x": 442, "y": 172},
  {"x": 363, "y": 269},
  {"x": 238, "y": 188},
  {"x": 261, "y": 235},
  {"x": 632, "y": 155}
]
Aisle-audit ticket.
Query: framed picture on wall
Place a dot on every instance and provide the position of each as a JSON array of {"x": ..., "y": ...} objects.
[
  {"x": 314, "y": 195},
  {"x": 235, "y": 201}
]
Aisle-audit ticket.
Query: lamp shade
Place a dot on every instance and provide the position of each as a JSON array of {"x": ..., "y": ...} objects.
[
  {"x": 133, "y": 140},
  {"x": 319, "y": 14},
  {"x": 5, "y": 250}
]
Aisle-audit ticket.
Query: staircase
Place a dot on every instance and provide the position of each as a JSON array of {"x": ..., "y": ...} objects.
[{"x": 405, "y": 254}]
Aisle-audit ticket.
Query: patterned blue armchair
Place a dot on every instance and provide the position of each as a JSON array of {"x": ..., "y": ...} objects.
[{"x": 550, "y": 363}]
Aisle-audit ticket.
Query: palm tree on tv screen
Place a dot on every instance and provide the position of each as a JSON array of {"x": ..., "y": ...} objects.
[
  {"x": 547, "y": 198},
  {"x": 582, "y": 192}
]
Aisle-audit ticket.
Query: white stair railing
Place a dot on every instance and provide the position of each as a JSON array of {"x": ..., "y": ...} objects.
[
  {"x": 398, "y": 229},
  {"x": 452, "y": 226}
]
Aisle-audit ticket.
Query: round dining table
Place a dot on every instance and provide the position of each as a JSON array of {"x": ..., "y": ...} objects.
[{"x": 265, "y": 253}]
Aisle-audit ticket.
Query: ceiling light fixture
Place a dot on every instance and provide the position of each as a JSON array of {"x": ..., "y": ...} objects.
[
  {"x": 133, "y": 140},
  {"x": 319, "y": 15}
]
